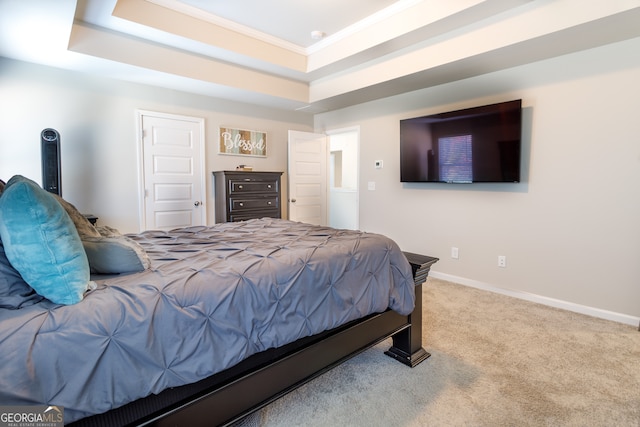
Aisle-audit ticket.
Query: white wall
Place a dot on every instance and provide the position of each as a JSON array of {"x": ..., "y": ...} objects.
[
  {"x": 346, "y": 142},
  {"x": 343, "y": 208},
  {"x": 571, "y": 229},
  {"x": 343, "y": 198},
  {"x": 96, "y": 119}
]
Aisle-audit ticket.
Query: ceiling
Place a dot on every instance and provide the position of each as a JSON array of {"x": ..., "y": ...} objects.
[
  {"x": 262, "y": 52},
  {"x": 292, "y": 21}
]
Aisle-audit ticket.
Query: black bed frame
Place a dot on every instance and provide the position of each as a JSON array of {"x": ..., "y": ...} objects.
[{"x": 259, "y": 380}]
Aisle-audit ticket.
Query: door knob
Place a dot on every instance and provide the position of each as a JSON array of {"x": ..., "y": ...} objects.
[
  {"x": 293, "y": 200},
  {"x": 196, "y": 204}
]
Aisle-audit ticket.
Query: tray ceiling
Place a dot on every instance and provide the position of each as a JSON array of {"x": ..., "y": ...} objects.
[{"x": 244, "y": 51}]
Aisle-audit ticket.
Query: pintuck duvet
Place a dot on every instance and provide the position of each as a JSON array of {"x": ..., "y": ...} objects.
[{"x": 212, "y": 297}]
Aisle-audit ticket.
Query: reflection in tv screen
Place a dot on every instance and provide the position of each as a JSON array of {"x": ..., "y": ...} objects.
[{"x": 455, "y": 158}]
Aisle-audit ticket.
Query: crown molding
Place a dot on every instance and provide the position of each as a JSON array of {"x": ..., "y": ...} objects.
[{"x": 361, "y": 25}]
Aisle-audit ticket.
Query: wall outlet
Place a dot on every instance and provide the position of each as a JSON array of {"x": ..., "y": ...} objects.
[
  {"x": 371, "y": 185},
  {"x": 454, "y": 253},
  {"x": 502, "y": 261}
]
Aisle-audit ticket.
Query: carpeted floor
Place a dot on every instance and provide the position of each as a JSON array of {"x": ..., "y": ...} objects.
[{"x": 496, "y": 361}]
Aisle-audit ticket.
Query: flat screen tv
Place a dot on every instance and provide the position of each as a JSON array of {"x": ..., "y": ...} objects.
[{"x": 480, "y": 144}]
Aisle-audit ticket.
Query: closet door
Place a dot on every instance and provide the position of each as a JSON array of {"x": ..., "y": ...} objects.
[
  {"x": 307, "y": 173},
  {"x": 173, "y": 171}
]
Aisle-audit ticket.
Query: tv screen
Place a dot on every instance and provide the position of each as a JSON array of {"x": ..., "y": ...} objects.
[{"x": 480, "y": 144}]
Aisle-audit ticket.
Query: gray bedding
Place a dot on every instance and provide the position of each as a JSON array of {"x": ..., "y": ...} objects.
[{"x": 212, "y": 297}]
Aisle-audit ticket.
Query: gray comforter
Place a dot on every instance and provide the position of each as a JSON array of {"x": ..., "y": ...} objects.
[{"x": 212, "y": 297}]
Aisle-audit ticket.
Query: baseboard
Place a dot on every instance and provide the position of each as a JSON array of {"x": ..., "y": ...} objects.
[{"x": 551, "y": 302}]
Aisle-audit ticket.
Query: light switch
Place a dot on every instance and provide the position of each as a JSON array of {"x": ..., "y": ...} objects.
[
  {"x": 372, "y": 185},
  {"x": 378, "y": 164}
]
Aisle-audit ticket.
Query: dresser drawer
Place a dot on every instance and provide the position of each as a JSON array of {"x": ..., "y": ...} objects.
[
  {"x": 247, "y": 203},
  {"x": 245, "y": 186},
  {"x": 244, "y": 216}
]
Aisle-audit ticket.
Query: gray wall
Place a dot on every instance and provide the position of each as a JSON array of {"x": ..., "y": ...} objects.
[{"x": 571, "y": 229}]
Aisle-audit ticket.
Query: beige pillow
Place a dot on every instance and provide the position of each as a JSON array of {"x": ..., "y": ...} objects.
[{"x": 84, "y": 227}]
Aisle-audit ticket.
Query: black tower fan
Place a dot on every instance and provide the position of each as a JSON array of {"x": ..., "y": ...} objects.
[{"x": 50, "y": 150}]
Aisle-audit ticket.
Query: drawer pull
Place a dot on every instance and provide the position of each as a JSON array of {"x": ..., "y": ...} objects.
[
  {"x": 269, "y": 186},
  {"x": 268, "y": 203},
  {"x": 241, "y": 204},
  {"x": 240, "y": 187}
]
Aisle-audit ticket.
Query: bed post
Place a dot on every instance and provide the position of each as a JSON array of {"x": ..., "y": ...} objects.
[{"x": 407, "y": 344}]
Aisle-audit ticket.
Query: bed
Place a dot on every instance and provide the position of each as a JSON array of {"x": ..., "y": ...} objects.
[{"x": 220, "y": 321}]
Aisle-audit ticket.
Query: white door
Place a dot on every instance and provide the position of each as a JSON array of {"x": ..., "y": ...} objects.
[
  {"x": 308, "y": 177},
  {"x": 172, "y": 171}
]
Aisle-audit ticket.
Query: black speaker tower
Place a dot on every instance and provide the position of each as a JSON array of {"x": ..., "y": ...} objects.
[{"x": 50, "y": 150}]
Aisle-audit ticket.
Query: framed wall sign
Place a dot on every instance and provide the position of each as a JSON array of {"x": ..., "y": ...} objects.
[{"x": 240, "y": 142}]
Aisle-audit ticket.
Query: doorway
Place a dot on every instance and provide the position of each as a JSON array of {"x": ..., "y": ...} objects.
[
  {"x": 344, "y": 150},
  {"x": 323, "y": 178}
]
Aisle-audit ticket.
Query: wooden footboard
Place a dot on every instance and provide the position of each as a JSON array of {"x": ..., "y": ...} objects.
[
  {"x": 407, "y": 344},
  {"x": 264, "y": 377}
]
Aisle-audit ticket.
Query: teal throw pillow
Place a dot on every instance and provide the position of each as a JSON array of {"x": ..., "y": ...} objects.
[
  {"x": 42, "y": 243},
  {"x": 117, "y": 254}
]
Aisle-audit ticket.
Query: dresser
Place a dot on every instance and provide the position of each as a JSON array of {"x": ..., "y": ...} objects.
[{"x": 242, "y": 195}]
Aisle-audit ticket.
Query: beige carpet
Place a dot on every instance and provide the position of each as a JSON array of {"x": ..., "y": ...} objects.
[{"x": 496, "y": 361}]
